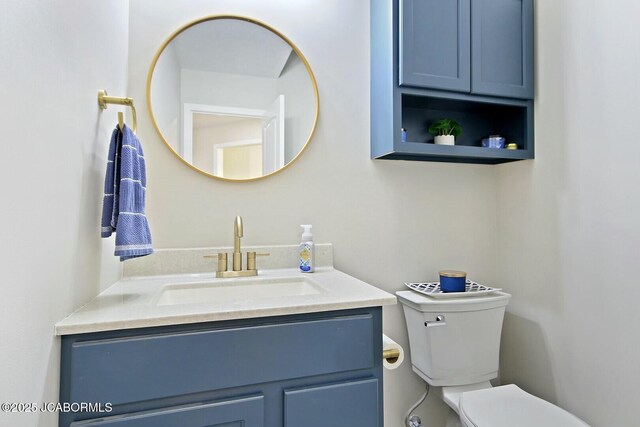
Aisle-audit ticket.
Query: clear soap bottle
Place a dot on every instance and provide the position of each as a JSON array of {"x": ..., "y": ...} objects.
[{"x": 307, "y": 251}]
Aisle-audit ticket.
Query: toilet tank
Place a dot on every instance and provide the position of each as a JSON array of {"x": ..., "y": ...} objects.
[{"x": 454, "y": 341}]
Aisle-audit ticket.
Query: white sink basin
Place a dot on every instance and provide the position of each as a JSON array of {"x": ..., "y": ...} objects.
[{"x": 225, "y": 290}]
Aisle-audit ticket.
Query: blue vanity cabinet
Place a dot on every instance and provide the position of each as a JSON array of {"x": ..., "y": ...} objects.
[
  {"x": 335, "y": 405},
  {"x": 242, "y": 412},
  {"x": 249, "y": 372},
  {"x": 435, "y": 49}
]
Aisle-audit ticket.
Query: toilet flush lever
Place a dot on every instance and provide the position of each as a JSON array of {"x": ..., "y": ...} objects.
[{"x": 438, "y": 322}]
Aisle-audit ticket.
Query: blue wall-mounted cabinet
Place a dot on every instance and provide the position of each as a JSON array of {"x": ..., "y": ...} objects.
[
  {"x": 502, "y": 48},
  {"x": 468, "y": 60},
  {"x": 269, "y": 372},
  {"x": 435, "y": 48}
]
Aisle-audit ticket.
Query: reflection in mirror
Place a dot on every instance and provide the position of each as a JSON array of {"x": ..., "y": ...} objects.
[{"x": 232, "y": 98}]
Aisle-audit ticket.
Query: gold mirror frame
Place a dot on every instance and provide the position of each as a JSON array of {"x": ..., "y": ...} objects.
[{"x": 265, "y": 26}]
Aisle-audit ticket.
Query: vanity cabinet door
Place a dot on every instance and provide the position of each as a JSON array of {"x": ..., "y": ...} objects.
[
  {"x": 244, "y": 412},
  {"x": 502, "y": 48},
  {"x": 435, "y": 44},
  {"x": 348, "y": 404}
]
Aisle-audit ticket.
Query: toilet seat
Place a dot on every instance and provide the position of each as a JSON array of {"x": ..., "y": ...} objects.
[{"x": 509, "y": 406}]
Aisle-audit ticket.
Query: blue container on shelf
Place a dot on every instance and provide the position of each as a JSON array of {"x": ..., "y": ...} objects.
[
  {"x": 493, "y": 141},
  {"x": 453, "y": 281}
]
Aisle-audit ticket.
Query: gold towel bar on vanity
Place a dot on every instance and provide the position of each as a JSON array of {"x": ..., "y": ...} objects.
[{"x": 104, "y": 99}]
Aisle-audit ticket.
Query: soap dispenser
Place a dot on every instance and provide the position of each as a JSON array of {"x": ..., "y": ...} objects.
[{"x": 307, "y": 251}]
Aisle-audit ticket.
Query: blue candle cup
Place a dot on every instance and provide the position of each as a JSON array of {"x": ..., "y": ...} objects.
[{"x": 453, "y": 281}]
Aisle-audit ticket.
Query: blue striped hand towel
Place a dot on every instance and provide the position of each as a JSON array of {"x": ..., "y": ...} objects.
[{"x": 124, "y": 196}]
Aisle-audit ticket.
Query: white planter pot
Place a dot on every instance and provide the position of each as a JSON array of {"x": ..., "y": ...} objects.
[{"x": 445, "y": 140}]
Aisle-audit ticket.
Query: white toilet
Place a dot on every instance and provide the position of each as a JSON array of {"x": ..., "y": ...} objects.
[{"x": 455, "y": 344}]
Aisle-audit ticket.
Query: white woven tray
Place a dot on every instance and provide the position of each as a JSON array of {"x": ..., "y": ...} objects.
[{"x": 432, "y": 289}]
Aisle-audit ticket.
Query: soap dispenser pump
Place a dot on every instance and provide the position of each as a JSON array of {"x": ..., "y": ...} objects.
[{"x": 307, "y": 251}]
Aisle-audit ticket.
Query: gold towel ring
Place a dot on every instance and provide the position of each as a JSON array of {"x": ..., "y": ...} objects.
[{"x": 104, "y": 99}]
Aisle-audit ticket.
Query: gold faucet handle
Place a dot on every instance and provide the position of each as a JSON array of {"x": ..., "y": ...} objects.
[
  {"x": 222, "y": 260},
  {"x": 251, "y": 259}
]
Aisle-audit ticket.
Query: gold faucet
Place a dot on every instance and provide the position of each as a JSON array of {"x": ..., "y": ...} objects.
[{"x": 237, "y": 256}]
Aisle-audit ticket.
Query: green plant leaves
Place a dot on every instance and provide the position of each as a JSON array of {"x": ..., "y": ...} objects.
[{"x": 445, "y": 127}]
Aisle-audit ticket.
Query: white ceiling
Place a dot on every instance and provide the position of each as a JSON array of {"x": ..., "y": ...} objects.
[{"x": 232, "y": 46}]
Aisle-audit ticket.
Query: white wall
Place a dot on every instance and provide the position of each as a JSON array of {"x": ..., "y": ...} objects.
[
  {"x": 569, "y": 221},
  {"x": 390, "y": 221},
  {"x": 229, "y": 90},
  {"x": 299, "y": 107},
  {"x": 206, "y": 137},
  {"x": 54, "y": 56},
  {"x": 242, "y": 162}
]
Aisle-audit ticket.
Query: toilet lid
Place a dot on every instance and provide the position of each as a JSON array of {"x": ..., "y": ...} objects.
[{"x": 509, "y": 406}]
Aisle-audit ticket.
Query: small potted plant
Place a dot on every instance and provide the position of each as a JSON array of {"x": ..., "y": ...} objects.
[{"x": 445, "y": 131}]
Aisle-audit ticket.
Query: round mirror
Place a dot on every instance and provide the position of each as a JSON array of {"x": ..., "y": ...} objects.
[{"x": 232, "y": 97}]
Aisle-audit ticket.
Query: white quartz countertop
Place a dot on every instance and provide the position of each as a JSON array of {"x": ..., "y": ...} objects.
[{"x": 134, "y": 302}]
